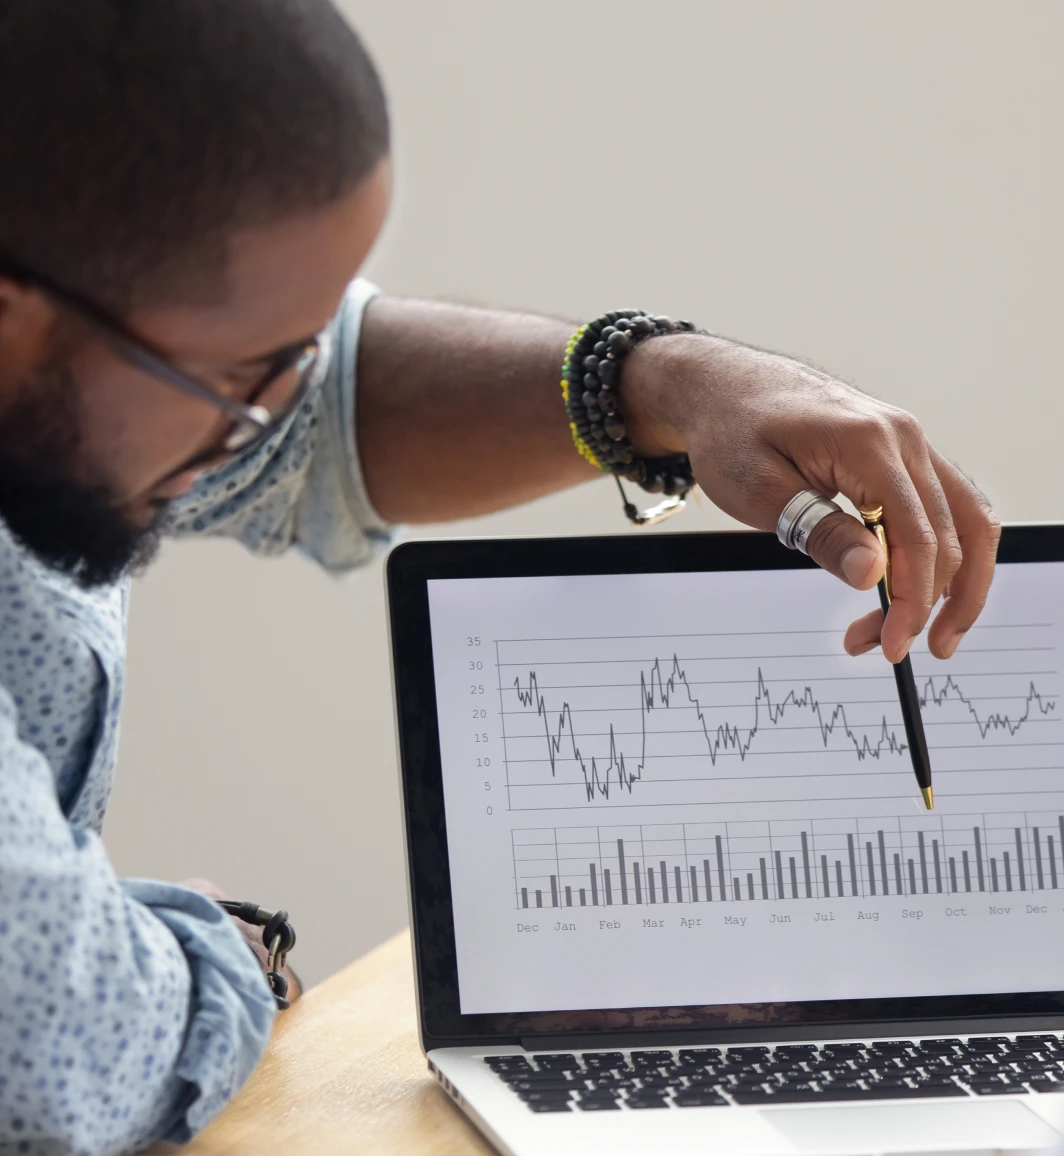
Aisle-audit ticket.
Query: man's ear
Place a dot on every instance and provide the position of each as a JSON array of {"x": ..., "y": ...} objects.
[{"x": 27, "y": 323}]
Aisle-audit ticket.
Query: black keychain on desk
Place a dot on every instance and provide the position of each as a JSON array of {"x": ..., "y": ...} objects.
[{"x": 278, "y": 937}]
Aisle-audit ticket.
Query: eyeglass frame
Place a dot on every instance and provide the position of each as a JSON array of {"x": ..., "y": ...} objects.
[{"x": 142, "y": 355}]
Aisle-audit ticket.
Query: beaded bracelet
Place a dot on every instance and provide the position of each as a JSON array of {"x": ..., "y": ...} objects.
[{"x": 590, "y": 377}]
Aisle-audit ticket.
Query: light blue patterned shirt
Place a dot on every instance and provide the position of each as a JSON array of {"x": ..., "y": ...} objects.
[{"x": 132, "y": 1010}]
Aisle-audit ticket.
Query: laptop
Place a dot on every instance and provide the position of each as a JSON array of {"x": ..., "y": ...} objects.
[{"x": 673, "y": 888}]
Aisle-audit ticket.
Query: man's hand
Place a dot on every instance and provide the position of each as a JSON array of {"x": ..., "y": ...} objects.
[
  {"x": 252, "y": 935},
  {"x": 759, "y": 427}
]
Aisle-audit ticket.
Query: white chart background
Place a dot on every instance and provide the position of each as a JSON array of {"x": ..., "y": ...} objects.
[{"x": 676, "y": 789}]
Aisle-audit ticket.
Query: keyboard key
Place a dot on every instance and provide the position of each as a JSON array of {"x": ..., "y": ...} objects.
[
  {"x": 997, "y": 1089},
  {"x": 550, "y": 1106},
  {"x": 602, "y": 1059},
  {"x": 840, "y": 1050},
  {"x": 557, "y": 1062},
  {"x": 657, "y": 1057},
  {"x": 794, "y": 1051},
  {"x": 988, "y": 1043},
  {"x": 598, "y": 1105},
  {"x": 699, "y": 1100},
  {"x": 493, "y": 1060},
  {"x": 1051, "y": 1040},
  {"x": 1045, "y": 1084},
  {"x": 697, "y": 1055},
  {"x": 651, "y": 1102},
  {"x": 522, "y": 1086},
  {"x": 544, "y": 1095},
  {"x": 750, "y": 1055}
]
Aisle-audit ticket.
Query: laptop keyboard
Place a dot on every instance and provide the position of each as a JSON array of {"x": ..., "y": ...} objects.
[{"x": 785, "y": 1074}]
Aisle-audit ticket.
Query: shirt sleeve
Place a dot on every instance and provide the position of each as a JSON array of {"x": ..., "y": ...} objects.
[
  {"x": 304, "y": 486},
  {"x": 131, "y": 1011}
]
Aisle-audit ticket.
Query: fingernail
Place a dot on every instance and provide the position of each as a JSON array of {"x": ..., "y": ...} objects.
[
  {"x": 857, "y": 562},
  {"x": 907, "y": 647},
  {"x": 951, "y": 644}
]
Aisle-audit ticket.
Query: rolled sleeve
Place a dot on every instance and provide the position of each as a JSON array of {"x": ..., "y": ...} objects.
[
  {"x": 304, "y": 487},
  {"x": 131, "y": 1011}
]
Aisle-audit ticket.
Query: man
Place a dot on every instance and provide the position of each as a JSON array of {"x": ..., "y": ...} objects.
[{"x": 187, "y": 192}]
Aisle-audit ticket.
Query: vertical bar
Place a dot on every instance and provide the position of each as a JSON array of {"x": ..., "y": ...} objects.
[
  {"x": 720, "y": 868},
  {"x": 554, "y": 891},
  {"x": 912, "y": 878},
  {"x": 664, "y": 877},
  {"x": 583, "y": 897},
  {"x": 979, "y": 858},
  {"x": 709, "y": 886},
  {"x": 679, "y": 889},
  {"x": 624, "y": 874},
  {"x": 993, "y": 874},
  {"x": 635, "y": 883},
  {"x": 883, "y": 862},
  {"x": 794, "y": 877},
  {"x": 838, "y": 878},
  {"x": 650, "y": 885},
  {"x": 1052, "y": 862},
  {"x": 539, "y": 897},
  {"x": 871, "y": 870},
  {"x": 1060, "y": 845},
  {"x": 594, "y": 885},
  {"x": 953, "y": 875},
  {"x": 1019, "y": 858},
  {"x": 1038, "y": 861},
  {"x": 735, "y": 885},
  {"x": 606, "y": 886},
  {"x": 568, "y": 896},
  {"x": 750, "y": 884},
  {"x": 805, "y": 867},
  {"x": 764, "y": 879},
  {"x": 967, "y": 871},
  {"x": 779, "y": 877},
  {"x": 923, "y": 859},
  {"x": 897, "y": 873},
  {"x": 524, "y": 896},
  {"x": 824, "y": 874},
  {"x": 853, "y": 866},
  {"x": 938, "y": 866},
  {"x": 1008, "y": 870},
  {"x": 694, "y": 884}
]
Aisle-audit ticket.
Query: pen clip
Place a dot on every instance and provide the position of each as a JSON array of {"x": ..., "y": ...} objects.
[{"x": 872, "y": 516}]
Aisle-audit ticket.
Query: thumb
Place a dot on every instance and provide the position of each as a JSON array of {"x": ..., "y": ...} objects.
[{"x": 843, "y": 546}]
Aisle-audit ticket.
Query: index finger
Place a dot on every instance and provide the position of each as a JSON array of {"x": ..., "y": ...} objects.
[{"x": 979, "y": 532}]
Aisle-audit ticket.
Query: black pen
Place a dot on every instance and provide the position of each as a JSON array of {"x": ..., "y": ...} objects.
[{"x": 903, "y": 672}]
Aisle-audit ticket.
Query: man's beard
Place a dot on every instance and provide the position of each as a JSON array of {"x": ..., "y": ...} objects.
[{"x": 71, "y": 524}]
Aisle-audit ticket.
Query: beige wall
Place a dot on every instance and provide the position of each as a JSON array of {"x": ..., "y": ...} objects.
[{"x": 875, "y": 186}]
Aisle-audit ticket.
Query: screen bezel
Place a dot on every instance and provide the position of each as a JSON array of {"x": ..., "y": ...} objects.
[{"x": 410, "y": 567}]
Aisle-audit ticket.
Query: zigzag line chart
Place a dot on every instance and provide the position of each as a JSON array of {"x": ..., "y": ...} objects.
[{"x": 666, "y": 728}]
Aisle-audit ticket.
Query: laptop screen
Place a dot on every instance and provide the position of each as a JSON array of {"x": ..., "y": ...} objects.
[{"x": 667, "y": 789}]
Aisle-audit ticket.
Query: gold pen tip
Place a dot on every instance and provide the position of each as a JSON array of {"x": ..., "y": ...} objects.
[
  {"x": 929, "y": 798},
  {"x": 871, "y": 513}
]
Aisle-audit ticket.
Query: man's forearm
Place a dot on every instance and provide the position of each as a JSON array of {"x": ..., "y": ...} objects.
[{"x": 460, "y": 411}]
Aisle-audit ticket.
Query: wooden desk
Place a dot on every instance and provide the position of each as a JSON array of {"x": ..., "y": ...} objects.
[{"x": 344, "y": 1074}]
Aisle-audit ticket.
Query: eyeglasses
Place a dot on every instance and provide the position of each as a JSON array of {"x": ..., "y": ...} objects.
[{"x": 289, "y": 377}]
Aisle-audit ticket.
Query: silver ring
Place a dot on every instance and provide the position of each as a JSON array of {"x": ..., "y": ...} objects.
[{"x": 800, "y": 517}]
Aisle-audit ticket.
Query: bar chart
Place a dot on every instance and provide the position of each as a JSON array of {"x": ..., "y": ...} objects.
[{"x": 743, "y": 862}]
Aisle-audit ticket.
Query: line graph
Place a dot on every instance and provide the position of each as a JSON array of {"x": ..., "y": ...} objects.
[{"x": 570, "y": 737}]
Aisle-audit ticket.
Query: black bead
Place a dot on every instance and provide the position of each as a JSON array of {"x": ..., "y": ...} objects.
[
  {"x": 594, "y": 414},
  {"x": 637, "y": 472},
  {"x": 590, "y": 398},
  {"x": 591, "y": 363},
  {"x": 607, "y": 372},
  {"x": 591, "y": 381},
  {"x": 583, "y": 427},
  {"x": 597, "y": 432},
  {"x": 601, "y": 349},
  {"x": 655, "y": 483},
  {"x": 614, "y": 426},
  {"x": 612, "y": 316},
  {"x": 619, "y": 343},
  {"x": 642, "y": 326},
  {"x": 608, "y": 401},
  {"x": 574, "y": 374},
  {"x": 623, "y": 452},
  {"x": 664, "y": 323},
  {"x": 608, "y": 332}
]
